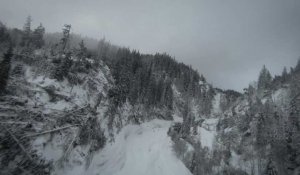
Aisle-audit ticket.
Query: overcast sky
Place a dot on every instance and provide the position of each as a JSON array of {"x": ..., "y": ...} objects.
[{"x": 227, "y": 41}]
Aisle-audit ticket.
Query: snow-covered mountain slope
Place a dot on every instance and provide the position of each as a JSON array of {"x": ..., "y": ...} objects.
[
  {"x": 138, "y": 149},
  {"x": 126, "y": 113},
  {"x": 67, "y": 126}
]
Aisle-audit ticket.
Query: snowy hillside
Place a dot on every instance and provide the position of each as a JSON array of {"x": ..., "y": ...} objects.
[{"x": 80, "y": 120}]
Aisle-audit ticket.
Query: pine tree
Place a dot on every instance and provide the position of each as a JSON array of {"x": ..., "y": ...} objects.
[
  {"x": 297, "y": 68},
  {"x": 284, "y": 75},
  {"x": 82, "y": 51},
  {"x": 169, "y": 96},
  {"x": 63, "y": 70},
  {"x": 37, "y": 36},
  {"x": 264, "y": 79},
  {"x": 207, "y": 98},
  {"x": 202, "y": 78},
  {"x": 293, "y": 125},
  {"x": 4, "y": 35},
  {"x": 271, "y": 169},
  {"x": 4, "y": 70},
  {"x": 186, "y": 124},
  {"x": 26, "y": 38},
  {"x": 66, "y": 37}
]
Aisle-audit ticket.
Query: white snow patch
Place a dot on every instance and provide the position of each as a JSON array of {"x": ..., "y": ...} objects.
[
  {"x": 264, "y": 100},
  {"x": 142, "y": 149},
  {"x": 176, "y": 118},
  {"x": 206, "y": 137},
  {"x": 77, "y": 95},
  {"x": 207, "y": 133},
  {"x": 216, "y": 104},
  {"x": 201, "y": 82},
  {"x": 49, "y": 150},
  {"x": 226, "y": 130},
  {"x": 175, "y": 91},
  {"x": 280, "y": 97}
]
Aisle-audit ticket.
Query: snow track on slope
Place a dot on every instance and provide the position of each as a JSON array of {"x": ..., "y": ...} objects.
[{"x": 142, "y": 149}]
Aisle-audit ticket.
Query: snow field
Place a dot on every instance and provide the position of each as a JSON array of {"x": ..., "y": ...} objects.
[{"x": 139, "y": 149}]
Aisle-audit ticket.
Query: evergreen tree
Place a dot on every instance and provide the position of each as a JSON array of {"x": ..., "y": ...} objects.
[
  {"x": 284, "y": 74},
  {"x": 26, "y": 38},
  {"x": 4, "y": 35},
  {"x": 207, "y": 98},
  {"x": 4, "y": 69},
  {"x": 293, "y": 125},
  {"x": 66, "y": 37},
  {"x": 187, "y": 120},
  {"x": 202, "y": 78},
  {"x": 297, "y": 68},
  {"x": 264, "y": 79},
  {"x": 82, "y": 51},
  {"x": 63, "y": 70},
  {"x": 169, "y": 96},
  {"x": 271, "y": 169},
  {"x": 38, "y": 36}
]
